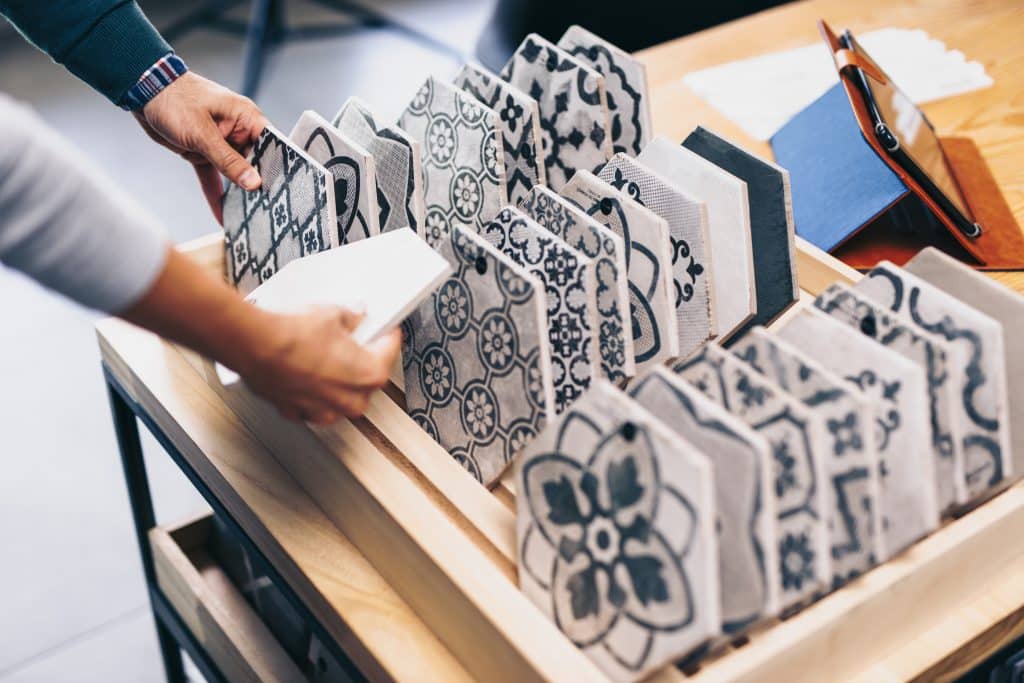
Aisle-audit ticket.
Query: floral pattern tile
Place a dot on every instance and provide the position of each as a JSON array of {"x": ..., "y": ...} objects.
[
  {"x": 899, "y": 391},
  {"x": 355, "y": 177},
  {"x": 519, "y": 122},
  {"x": 852, "y": 467},
  {"x": 475, "y": 358},
  {"x": 746, "y": 521},
  {"x": 933, "y": 354},
  {"x": 687, "y": 225},
  {"x": 799, "y": 445},
  {"x": 291, "y": 215},
  {"x": 608, "y": 263},
  {"x": 574, "y": 120},
  {"x": 615, "y": 529},
  {"x": 567, "y": 277},
  {"x": 978, "y": 344},
  {"x": 645, "y": 235}
]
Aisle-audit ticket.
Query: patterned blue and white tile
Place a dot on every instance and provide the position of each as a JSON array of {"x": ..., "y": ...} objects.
[
  {"x": 899, "y": 390},
  {"x": 799, "y": 445},
  {"x": 519, "y": 122},
  {"x": 568, "y": 279},
  {"x": 291, "y": 215},
  {"x": 648, "y": 256},
  {"x": 746, "y": 522},
  {"x": 476, "y": 358},
  {"x": 608, "y": 261},
  {"x": 615, "y": 528},
  {"x": 852, "y": 466},
  {"x": 688, "y": 231},
  {"x": 978, "y": 340}
]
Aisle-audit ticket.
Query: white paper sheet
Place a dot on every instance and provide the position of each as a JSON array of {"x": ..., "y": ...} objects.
[{"x": 762, "y": 93}]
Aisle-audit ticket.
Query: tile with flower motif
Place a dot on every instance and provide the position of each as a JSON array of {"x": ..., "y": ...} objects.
[
  {"x": 899, "y": 390},
  {"x": 978, "y": 340},
  {"x": 645, "y": 235},
  {"x": 291, "y": 215},
  {"x": 568, "y": 279},
  {"x": 519, "y": 122},
  {"x": 746, "y": 522},
  {"x": 397, "y": 164},
  {"x": 852, "y": 466},
  {"x": 625, "y": 79},
  {"x": 799, "y": 445},
  {"x": 687, "y": 219},
  {"x": 615, "y": 528},
  {"x": 475, "y": 358},
  {"x": 463, "y": 167},
  {"x": 944, "y": 373},
  {"x": 575, "y": 125},
  {"x": 608, "y": 262}
]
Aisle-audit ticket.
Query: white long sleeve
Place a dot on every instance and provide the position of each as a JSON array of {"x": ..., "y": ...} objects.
[{"x": 65, "y": 224}]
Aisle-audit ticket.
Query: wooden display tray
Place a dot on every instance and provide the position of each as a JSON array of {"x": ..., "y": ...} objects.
[{"x": 444, "y": 546}]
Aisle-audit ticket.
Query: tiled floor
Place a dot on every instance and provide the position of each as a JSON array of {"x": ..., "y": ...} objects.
[{"x": 72, "y": 601}]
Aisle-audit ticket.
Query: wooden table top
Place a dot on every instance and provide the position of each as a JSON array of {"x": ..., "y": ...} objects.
[{"x": 988, "y": 31}]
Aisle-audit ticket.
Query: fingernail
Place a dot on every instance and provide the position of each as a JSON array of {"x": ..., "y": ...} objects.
[{"x": 250, "y": 180}]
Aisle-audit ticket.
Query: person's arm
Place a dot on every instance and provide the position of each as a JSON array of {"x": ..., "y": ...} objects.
[{"x": 64, "y": 224}]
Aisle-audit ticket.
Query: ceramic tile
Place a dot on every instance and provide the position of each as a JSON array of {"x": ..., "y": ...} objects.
[
  {"x": 575, "y": 128},
  {"x": 899, "y": 389},
  {"x": 615, "y": 527},
  {"x": 734, "y": 300},
  {"x": 475, "y": 358},
  {"x": 608, "y": 263},
  {"x": 355, "y": 180},
  {"x": 799, "y": 446},
  {"x": 746, "y": 521},
  {"x": 397, "y": 160},
  {"x": 999, "y": 303},
  {"x": 944, "y": 374},
  {"x": 852, "y": 466},
  {"x": 463, "y": 167},
  {"x": 519, "y": 122},
  {"x": 979, "y": 341},
  {"x": 625, "y": 80},
  {"x": 567, "y": 278},
  {"x": 772, "y": 235},
  {"x": 687, "y": 225},
  {"x": 648, "y": 253},
  {"x": 290, "y": 216}
]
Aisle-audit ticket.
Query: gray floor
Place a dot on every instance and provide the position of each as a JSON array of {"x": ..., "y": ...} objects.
[{"x": 71, "y": 589}]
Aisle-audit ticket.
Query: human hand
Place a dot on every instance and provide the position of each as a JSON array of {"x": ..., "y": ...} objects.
[
  {"x": 314, "y": 371},
  {"x": 211, "y": 127}
]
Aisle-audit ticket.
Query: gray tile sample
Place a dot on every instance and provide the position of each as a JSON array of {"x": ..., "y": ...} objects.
[
  {"x": 625, "y": 79},
  {"x": 519, "y": 122},
  {"x": 615, "y": 531},
  {"x": 575, "y": 126},
  {"x": 746, "y": 521},
  {"x": 999, "y": 303},
  {"x": 771, "y": 221},
  {"x": 607, "y": 253},
  {"x": 852, "y": 467},
  {"x": 799, "y": 445},
  {"x": 945, "y": 377},
  {"x": 899, "y": 390},
  {"x": 291, "y": 215},
  {"x": 475, "y": 358},
  {"x": 568, "y": 280},
  {"x": 648, "y": 255},
  {"x": 463, "y": 164},
  {"x": 688, "y": 232},
  {"x": 355, "y": 177},
  {"x": 979, "y": 340},
  {"x": 397, "y": 160}
]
